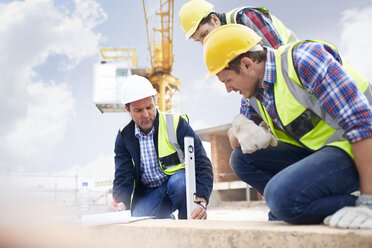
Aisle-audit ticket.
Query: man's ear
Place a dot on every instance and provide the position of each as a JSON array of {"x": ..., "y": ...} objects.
[
  {"x": 215, "y": 20},
  {"x": 126, "y": 108},
  {"x": 246, "y": 63}
]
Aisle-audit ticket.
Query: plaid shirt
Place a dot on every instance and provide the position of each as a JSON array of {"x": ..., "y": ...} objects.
[
  {"x": 261, "y": 24},
  {"x": 264, "y": 27},
  {"x": 321, "y": 74},
  {"x": 152, "y": 175}
]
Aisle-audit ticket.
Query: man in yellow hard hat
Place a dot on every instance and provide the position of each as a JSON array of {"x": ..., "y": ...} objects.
[
  {"x": 318, "y": 107},
  {"x": 198, "y": 19},
  {"x": 149, "y": 160}
]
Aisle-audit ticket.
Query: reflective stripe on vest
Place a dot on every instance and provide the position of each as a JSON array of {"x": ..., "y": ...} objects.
[
  {"x": 134, "y": 188},
  {"x": 286, "y": 35},
  {"x": 301, "y": 114},
  {"x": 171, "y": 157},
  {"x": 172, "y": 132}
]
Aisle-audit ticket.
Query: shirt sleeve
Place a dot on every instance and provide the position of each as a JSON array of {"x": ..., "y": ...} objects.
[
  {"x": 261, "y": 24},
  {"x": 124, "y": 172},
  {"x": 321, "y": 73},
  {"x": 247, "y": 110}
]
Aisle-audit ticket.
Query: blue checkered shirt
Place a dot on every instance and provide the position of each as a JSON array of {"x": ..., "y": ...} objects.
[
  {"x": 152, "y": 175},
  {"x": 321, "y": 73}
]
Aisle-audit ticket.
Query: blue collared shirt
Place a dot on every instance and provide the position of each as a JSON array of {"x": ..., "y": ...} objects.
[{"x": 151, "y": 173}]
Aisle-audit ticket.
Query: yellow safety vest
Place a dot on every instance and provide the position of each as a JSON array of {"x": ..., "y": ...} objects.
[
  {"x": 285, "y": 33},
  {"x": 300, "y": 112},
  {"x": 171, "y": 157}
]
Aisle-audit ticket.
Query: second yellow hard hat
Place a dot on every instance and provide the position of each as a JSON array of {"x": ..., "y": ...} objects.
[{"x": 225, "y": 43}]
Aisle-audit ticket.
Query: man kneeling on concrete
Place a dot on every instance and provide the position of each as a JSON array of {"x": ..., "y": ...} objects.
[
  {"x": 149, "y": 171},
  {"x": 320, "y": 110}
]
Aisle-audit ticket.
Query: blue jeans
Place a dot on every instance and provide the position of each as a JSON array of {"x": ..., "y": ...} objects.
[
  {"x": 162, "y": 201},
  {"x": 299, "y": 186}
]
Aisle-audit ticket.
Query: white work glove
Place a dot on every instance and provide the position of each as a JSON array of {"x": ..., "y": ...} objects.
[
  {"x": 358, "y": 217},
  {"x": 251, "y": 136}
]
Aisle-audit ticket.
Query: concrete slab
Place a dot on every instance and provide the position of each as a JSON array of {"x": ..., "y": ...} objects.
[
  {"x": 193, "y": 233},
  {"x": 184, "y": 234},
  {"x": 231, "y": 225}
]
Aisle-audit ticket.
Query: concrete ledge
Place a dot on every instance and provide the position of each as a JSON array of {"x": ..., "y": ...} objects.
[
  {"x": 168, "y": 233},
  {"x": 183, "y": 234},
  {"x": 26, "y": 229}
]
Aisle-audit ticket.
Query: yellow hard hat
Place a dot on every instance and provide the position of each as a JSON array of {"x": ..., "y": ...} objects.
[
  {"x": 225, "y": 43},
  {"x": 191, "y": 13}
]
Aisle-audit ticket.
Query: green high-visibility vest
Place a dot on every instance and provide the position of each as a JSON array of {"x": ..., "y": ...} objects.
[
  {"x": 285, "y": 34},
  {"x": 306, "y": 123},
  {"x": 171, "y": 157}
]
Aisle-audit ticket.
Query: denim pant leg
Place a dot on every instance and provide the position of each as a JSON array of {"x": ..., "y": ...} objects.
[
  {"x": 153, "y": 202},
  {"x": 256, "y": 169},
  {"x": 314, "y": 187},
  {"x": 176, "y": 191}
]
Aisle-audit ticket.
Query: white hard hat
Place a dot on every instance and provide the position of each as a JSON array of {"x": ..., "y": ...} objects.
[{"x": 135, "y": 88}]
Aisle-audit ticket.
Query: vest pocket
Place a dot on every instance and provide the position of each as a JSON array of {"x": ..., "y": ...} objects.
[
  {"x": 303, "y": 124},
  {"x": 169, "y": 161}
]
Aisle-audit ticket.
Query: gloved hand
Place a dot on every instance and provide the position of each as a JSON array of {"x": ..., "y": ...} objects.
[
  {"x": 250, "y": 136},
  {"x": 358, "y": 217}
]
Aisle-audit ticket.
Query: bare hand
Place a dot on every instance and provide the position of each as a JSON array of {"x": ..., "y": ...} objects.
[
  {"x": 199, "y": 213},
  {"x": 117, "y": 207}
]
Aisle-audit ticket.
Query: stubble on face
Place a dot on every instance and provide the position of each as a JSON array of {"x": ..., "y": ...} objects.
[
  {"x": 143, "y": 113},
  {"x": 245, "y": 82}
]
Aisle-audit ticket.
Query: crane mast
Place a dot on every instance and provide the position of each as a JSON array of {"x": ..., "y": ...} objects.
[
  {"x": 159, "y": 28},
  {"x": 118, "y": 63}
]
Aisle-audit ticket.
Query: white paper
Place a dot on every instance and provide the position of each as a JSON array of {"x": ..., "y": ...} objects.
[{"x": 120, "y": 217}]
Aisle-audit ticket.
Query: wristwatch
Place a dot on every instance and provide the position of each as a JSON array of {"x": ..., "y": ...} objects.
[{"x": 201, "y": 203}]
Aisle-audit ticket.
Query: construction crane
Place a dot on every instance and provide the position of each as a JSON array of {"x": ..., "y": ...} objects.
[
  {"x": 118, "y": 63},
  {"x": 159, "y": 28}
]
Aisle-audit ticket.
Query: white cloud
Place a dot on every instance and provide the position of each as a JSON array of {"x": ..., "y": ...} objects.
[
  {"x": 356, "y": 39},
  {"x": 43, "y": 126},
  {"x": 208, "y": 101},
  {"x": 212, "y": 86},
  {"x": 199, "y": 124},
  {"x": 36, "y": 113}
]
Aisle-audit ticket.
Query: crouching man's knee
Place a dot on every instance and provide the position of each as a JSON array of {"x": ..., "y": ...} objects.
[
  {"x": 241, "y": 163},
  {"x": 281, "y": 201}
]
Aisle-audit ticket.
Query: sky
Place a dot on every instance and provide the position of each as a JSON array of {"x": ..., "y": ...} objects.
[{"x": 48, "y": 48}]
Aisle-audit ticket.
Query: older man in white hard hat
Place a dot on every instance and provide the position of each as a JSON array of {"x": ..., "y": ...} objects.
[{"x": 149, "y": 168}]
